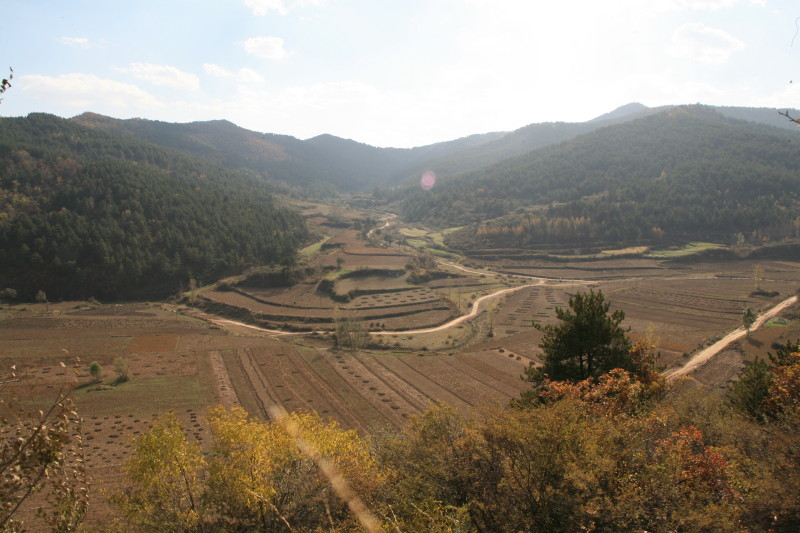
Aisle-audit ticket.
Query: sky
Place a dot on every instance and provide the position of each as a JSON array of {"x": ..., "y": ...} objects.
[{"x": 397, "y": 73}]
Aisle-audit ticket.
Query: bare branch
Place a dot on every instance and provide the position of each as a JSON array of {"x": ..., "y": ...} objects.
[{"x": 786, "y": 114}]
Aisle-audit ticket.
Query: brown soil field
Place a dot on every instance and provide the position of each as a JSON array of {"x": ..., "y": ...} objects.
[
  {"x": 415, "y": 311},
  {"x": 167, "y": 371},
  {"x": 682, "y": 312},
  {"x": 186, "y": 365},
  {"x": 183, "y": 365}
]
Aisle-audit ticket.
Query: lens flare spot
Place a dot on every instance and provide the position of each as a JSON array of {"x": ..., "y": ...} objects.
[{"x": 428, "y": 180}]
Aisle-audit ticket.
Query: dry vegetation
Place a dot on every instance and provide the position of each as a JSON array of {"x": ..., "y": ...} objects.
[{"x": 186, "y": 365}]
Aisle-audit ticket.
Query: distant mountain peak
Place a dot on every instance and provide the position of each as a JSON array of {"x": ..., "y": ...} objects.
[
  {"x": 622, "y": 111},
  {"x": 94, "y": 119}
]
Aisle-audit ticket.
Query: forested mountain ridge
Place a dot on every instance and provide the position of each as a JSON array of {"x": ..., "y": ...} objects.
[
  {"x": 85, "y": 213},
  {"x": 684, "y": 173},
  {"x": 327, "y": 164},
  {"x": 525, "y": 140},
  {"x": 324, "y": 163}
]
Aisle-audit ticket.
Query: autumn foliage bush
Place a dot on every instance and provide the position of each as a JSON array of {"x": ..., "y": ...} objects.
[{"x": 624, "y": 451}]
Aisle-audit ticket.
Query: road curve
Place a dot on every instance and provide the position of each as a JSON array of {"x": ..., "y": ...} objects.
[
  {"x": 706, "y": 354},
  {"x": 458, "y": 320}
]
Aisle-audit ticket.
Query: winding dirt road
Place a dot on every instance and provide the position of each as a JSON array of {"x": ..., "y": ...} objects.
[
  {"x": 458, "y": 320},
  {"x": 692, "y": 364},
  {"x": 703, "y": 356}
]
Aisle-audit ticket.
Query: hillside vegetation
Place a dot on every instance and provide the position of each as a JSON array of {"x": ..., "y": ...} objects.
[
  {"x": 320, "y": 166},
  {"x": 86, "y": 213},
  {"x": 687, "y": 173}
]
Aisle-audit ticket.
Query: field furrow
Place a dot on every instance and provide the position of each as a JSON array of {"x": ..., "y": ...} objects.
[
  {"x": 422, "y": 382},
  {"x": 322, "y": 365},
  {"x": 373, "y": 389},
  {"x": 299, "y": 387},
  {"x": 459, "y": 383},
  {"x": 416, "y": 398},
  {"x": 510, "y": 384}
]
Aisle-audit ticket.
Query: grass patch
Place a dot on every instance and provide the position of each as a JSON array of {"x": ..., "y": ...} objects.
[
  {"x": 413, "y": 232},
  {"x": 689, "y": 249},
  {"x": 442, "y": 253},
  {"x": 144, "y": 396},
  {"x": 309, "y": 251},
  {"x": 448, "y": 231},
  {"x": 336, "y": 274},
  {"x": 417, "y": 243},
  {"x": 626, "y": 251}
]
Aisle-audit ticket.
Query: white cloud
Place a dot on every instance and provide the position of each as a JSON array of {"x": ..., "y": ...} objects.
[
  {"x": 703, "y": 5},
  {"x": 262, "y": 7},
  {"x": 163, "y": 75},
  {"x": 786, "y": 98},
  {"x": 87, "y": 91},
  {"x": 217, "y": 71},
  {"x": 245, "y": 75},
  {"x": 704, "y": 43},
  {"x": 265, "y": 47},
  {"x": 248, "y": 75},
  {"x": 75, "y": 41}
]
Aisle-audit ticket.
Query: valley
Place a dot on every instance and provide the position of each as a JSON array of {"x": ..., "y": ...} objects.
[
  {"x": 224, "y": 267},
  {"x": 436, "y": 327}
]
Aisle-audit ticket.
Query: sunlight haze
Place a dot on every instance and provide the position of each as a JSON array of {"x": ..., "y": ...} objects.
[{"x": 396, "y": 74}]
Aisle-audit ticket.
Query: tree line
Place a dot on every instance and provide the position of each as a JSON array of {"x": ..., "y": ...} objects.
[
  {"x": 88, "y": 214},
  {"x": 690, "y": 173}
]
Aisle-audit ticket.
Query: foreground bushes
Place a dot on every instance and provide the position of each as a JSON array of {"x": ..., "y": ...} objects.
[{"x": 613, "y": 454}]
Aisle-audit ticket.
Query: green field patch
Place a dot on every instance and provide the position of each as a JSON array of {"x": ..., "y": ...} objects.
[
  {"x": 143, "y": 396},
  {"x": 310, "y": 251},
  {"x": 437, "y": 238},
  {"x": 413, "y": 232},
  {"x": 778, "y": 321},
  {"x": 631, "y": 250},
  {"x": 336, "y": 274},
  {"x": 442, "y": 253},
  {"x": 689, "y": 249},
  {"x": 417, "y": 243}
]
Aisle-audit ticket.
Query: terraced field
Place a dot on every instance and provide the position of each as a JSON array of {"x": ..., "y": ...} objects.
[{"x": 366, "y": 391}]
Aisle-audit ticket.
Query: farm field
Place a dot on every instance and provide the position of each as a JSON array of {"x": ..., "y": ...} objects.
[
  {"x": 180, "y": 361},
  {"x": 185, "y": 365}
]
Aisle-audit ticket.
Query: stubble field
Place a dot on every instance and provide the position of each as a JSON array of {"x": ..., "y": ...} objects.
[{"x": 186, "y": 365}]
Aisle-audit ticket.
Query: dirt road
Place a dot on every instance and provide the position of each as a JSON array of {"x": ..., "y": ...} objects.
[
  {"x": 706, "y": 354},
  {"x": 456, "y": 321}
]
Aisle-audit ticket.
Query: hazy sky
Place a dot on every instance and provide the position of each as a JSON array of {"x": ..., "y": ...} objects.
[{"x": 394, "y": 72}]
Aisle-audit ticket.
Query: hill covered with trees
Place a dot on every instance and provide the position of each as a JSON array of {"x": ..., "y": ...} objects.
[
  {"x": 321, "y": 165},
  {"x": 86, "y": 213},
  {"x": 686, "y": 173},
  {"x": 326, "y": 164}
]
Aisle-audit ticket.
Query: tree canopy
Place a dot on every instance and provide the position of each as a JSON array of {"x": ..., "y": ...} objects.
[
  {"x": 587, "y": 342},
  {"x": 85, "y": 213},
  {"x": 687, "y": 174}
]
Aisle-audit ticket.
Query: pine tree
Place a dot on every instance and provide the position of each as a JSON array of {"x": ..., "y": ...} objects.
[{"x": 588, "y": 342}]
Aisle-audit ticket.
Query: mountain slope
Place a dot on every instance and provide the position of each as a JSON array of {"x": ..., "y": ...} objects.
[
  {"x": 89, "y": 213},
  {"x": 525, "y": 140},
  {"x": 684, "y": 173},
  {"x": 324, "y": 162}
]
